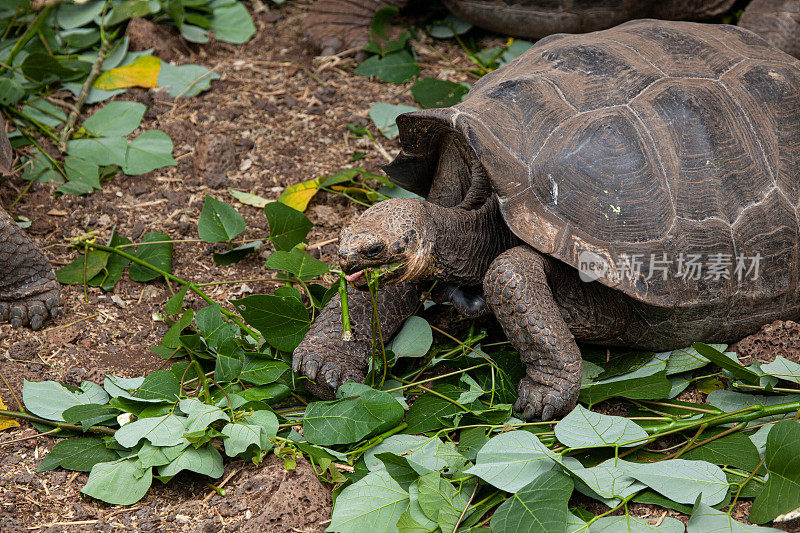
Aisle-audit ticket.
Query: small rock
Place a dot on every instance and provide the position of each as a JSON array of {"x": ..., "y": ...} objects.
[{"x": 182, "y": 519}]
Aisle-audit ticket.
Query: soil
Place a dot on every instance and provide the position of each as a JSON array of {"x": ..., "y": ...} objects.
[{"x": 277, "y": 116}]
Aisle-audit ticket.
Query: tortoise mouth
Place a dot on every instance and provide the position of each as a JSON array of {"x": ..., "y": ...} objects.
[{"x": 388, "y": 272}]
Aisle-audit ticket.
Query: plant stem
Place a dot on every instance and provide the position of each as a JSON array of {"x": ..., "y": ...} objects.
[
  {"x": 193, "y": 287},
  {"x": 87, "y": 86},
  {"x": 202, "y": 377},
  {"x": 32, "y": 30},
  {"x": 347, "y": 330},
  {"x": 52, "y": 423}
]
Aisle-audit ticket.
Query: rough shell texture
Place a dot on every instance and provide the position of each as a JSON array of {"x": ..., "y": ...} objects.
[
  {"x": 538, "y": 18},
  {"x": 651, "y": 139}
]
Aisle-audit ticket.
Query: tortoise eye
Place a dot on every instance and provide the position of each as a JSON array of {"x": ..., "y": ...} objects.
[{"x": 374, "y": 251}]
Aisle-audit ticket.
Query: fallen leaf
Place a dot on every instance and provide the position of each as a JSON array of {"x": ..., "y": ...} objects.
[
  {"x": 141, "y": 73},
  {"x": 6, "y": 423}
]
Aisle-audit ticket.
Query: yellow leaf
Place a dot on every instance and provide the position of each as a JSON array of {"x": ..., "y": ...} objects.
[
  {"x": 141, "y": 73},
  {"x": 298, "y": 195},
  {"x": 6, "y": 423}
]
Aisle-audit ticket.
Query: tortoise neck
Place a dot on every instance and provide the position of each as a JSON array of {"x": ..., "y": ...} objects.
[{"x": 467, "y": 240}]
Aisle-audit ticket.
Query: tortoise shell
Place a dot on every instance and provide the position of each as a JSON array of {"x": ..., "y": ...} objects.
[
  {"x": 538, "y": 18},
  {"x": 652, "y": 139}
]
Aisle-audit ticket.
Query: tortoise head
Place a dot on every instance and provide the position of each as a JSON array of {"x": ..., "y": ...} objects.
[{"x": 395, "y": 236}]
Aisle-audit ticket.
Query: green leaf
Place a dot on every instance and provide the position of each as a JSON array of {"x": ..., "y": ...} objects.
[
  {"x": 159, "y": 385},
  {"x": 262, "y": 371},
  {"x": 79, "y": 454},
  {"x": 219, "y": 222},
  {"x": 159, "y": 255},
  {"x": 782, "y": 491},
  {"x": 115, "y": 119},
  {"x": 99, "y": 150},
  {"x": 441, "y": 502},
  {"x": 232, "y": 24},
  {"x": 430, "y": 453},
  {"x": 115, "y": 267},
  {"x": 414, "y": 339},
  {"x": 253, "y": 200},
  {"x": 783, "y": 368},
  {"x": 648, "y": 382},
  {"x": 287, "y": 227},
  {"x": 283, "y": 321},
  {"x": 184, "y": 81},
  {"x": 239, "y": 437},
  {"x": 194, "y": 34},
  {"x": 706, "y": 519},
  {"x": 513, "y": 51},
  {"x": 44, "y": 68},
  {"x": 430, "y": 410},
  {"x": 235, "y": 255},
  {"x": 122, "y": 482},
  {"x": 230, "y": 358},
  {"x": 164, "y": 430},
  {"x": 43, "y": 111},
  {"x": 10, "y": 92},
  {"x": 49, "y": 399},
  {"x": 449, "y": 27},
  {"x": 374, "y": 503},
  {"x": 82, "y": 174},
  {"x": 384, "y": 116},
  {"x": 88, "y": 415},
  {"x": 83, "y": 268},
  {"x": 681, "y": 480},
  {"x": 723, "y": 361},
  {"x": 205, "y": 460},
  {"x": 151, "y": 455},
  {"x": 351, "y": 419},
  {"x": 735, "y": 450},
  {"x": 729, "y": 401},
  {"x": 538, "y": 507},
  {"x": 511, "y": 460},
  {"x": 685, "y": 359},
  {"x": 147, "y": 152},
  {"x": 397, "y": 67},
  {"x": 432, "y": 92},
  {"x": 604, "y": 481},
  {"x": 584, "y": 429},
  {"x": 630, "y": 524},
  {"x": 71, "y": 16},
  {"x": 201, "y": 415},
  {"x": 297, "y": 262},
  {"x": 175, "y": 303}
]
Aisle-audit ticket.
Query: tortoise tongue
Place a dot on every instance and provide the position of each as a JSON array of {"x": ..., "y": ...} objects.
[{"x": 354, "y": 276}]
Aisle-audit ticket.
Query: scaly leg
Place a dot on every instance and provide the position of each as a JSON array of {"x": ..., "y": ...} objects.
[
  {"x": 518, "y": 293},
  {"x": 335, "y": 25},
  {"x": 323, "y": 355},
  {"x": 29, "y": 292}
]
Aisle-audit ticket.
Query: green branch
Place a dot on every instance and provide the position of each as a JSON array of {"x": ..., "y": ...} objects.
[{"x": 167, "y": 275}]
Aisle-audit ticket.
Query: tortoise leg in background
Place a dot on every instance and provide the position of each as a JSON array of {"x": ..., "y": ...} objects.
[
  {"x": 777, "y": 21},
  {"x": 29, "y": 292},
  {"x": 336, "y": 25},
  {"x": 517, "y": 290},
  {"x": 324, "y": 357}
]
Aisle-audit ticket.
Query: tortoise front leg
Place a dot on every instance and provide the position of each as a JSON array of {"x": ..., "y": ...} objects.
[
  {"x": 323, "y": 356},
  {"x": 518, "y": 293},
  {"x": 29, "y": 292}
]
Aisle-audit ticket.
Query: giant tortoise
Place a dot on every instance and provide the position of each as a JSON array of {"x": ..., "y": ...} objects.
[
  {"x": 29, "y": 292},
  {"x": 635, "y": 187},
  {"x": 335, "y": 24}
]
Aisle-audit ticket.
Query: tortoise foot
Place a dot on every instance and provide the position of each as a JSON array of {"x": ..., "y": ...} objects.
[
  {"x": 336, "y": 25},
  {"x": 546, "y": 401},
  {"x": 42, "y": 303},
  {"x": 328, "y": 363}
]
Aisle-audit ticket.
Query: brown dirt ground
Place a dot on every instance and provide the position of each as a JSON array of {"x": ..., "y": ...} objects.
[{"x": 276, "y": 117}]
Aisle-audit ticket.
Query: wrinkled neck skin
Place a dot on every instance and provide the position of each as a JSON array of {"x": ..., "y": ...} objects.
[{"x": 466, "y": 241}]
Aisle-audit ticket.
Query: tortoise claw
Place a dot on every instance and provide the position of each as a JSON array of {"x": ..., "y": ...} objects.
[{"x": 542, "y": 401}]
